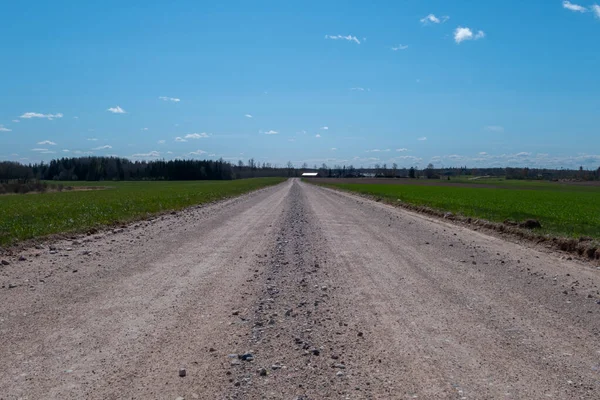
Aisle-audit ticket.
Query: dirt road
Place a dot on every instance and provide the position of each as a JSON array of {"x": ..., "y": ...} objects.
[{"x": 297, "y": 292}]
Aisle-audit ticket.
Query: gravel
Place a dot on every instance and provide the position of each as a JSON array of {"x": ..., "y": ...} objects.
[{"x": 397, "y": 319}]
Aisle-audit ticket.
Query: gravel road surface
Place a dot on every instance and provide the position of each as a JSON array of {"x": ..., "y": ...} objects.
[{"x": 297, "y": 292}]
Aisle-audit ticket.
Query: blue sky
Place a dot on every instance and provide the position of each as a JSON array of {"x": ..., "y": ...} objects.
[{"x": 486, "y": 83}]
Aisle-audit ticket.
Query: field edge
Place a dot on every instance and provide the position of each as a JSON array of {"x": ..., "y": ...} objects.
[
  {"x": 588, "y": 250},
  {"x": 19, "y": 244}
]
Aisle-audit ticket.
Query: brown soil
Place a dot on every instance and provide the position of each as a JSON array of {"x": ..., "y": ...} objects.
[{"x": 335, "y": 296}]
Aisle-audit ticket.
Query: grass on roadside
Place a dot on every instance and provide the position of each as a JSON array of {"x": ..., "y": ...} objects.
[
  {"x": 562, "y": 211},
  {"x": 33, "y": 215}
]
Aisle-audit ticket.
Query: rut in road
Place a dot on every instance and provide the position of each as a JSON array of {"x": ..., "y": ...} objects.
[{"x": 335, "y": 296}]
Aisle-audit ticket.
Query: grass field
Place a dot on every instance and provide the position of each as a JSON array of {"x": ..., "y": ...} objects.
[
  {"x": 562, "y": 209},
  {"x": 28, "y": 216}
]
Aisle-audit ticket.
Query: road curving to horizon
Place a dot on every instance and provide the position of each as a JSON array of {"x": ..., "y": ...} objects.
[{"x": 333, "y": 296}]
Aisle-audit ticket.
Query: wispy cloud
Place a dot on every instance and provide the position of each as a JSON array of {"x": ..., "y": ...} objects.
[
  {"x": 317, "y": 135},
  {"x": 422, "y": 139},
  {"x": 172, "y": 99},
  {"x": 325, "y": 128},
  {"x": 105, "y": 147},
  {"x": 400, "y": 47},
  {"x": 271, "y": 132},
  {"x": 66, "y": 150},
  {"x": 495, "y": 128},
  {"x": 202, "y": 135},
  {"x": 574, "y": 7},
  {"x": 162, "y": 141},
  {"x": 360, "y": 89},
  {"x": 16, "y": 120},
  {"x": 3, "y": 129},
  {"x": 483, "y": 153},
  {"x": 39, "y": 149},
  {"x": 378, "y": 151},
  {"x": 47, "y": 142},
  {"x": 461, "y": 34},
  {"x": 92, "y": 139},
  {"x": 432, "y": 19},
  {"x": 596, "y": 10},
  {"x": 152, "y": 154},
  {"x": 333, "y": 149},
  {"x": 117, "y": 110},
  {"x": 248, "y": 116},
  {"x": 402, "y": 150},
  {"x": 144, "y": 129},
  {"x": 180, "y": 139},
  {"x": 349, "y": 38},
  {"x": 196, "y": 153},
  {"x": 29, "y": 115}
]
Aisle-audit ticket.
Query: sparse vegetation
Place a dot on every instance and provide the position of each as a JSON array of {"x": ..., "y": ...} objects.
[{"x": 33, "y": 215}]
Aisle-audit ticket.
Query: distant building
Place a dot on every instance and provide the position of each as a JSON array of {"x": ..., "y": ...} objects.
[{"x": 310, "y": 174}]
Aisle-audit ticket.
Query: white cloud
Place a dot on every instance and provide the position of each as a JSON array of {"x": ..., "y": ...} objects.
[
  {"x": 271, "y": 132},
  {"x": 196, "y": 153},
  {"x": 523, "y": 154},
  {"x": 333, "y": 148},
  {"x": 16, "y": 120},
  {"x": 75, "y": 117},
  {"x": 173, "y": 99},
  {"x": 180, "y": 139},
  {"x": 400, "y": 47},
  {"x": 461, "y": 34},
  {"x": 483, "y": 153},
  {"x": 248, "y": 116},
  {"x": 3, "y": 129},
  {"x": 574, "y": 7},
  {"x": 422, "y": 139},
  {"x": 349, "y": 38},
  {"x": 66, "y": 150},
  {"x": 106, "y": 147},
  {"x": 325, "y": 128},
  {"x": 596, "y": 10},
  {"x": 39, "y": 149},
  {"x": 117, "y": 110},
  {"x": 145, "y": 155},
  {"x": 378, "y": 151},
  {"x": 144, "y": 129},
  {"x": 317, "y": 135},
  {"x": 202, "y": 135},
  {"x": 47, "y": 142},
  {"x": 432, "y": 19},
  {"x": 29, "y": 115},
  {"x": 162, "y": 141},
  {"x": 92, "y": 139},
  {"x": 495, "y": 128},
  {"x": 169, "y": 152},
  {"x": 402, "y": 150},
  {"x": 47, "y": 152},
  {"x": 359, "y": 89}
]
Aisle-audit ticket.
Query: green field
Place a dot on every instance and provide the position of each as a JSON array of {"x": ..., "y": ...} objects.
[
  {"x": 28, "y": 216},
  {"x": 563, "y": 210}
]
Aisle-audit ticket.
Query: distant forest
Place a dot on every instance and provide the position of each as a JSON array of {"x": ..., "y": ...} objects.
[{"x": 112, "y": 168}]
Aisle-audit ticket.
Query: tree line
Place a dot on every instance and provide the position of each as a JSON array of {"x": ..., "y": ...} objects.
[{"x": 114, "y": 168}]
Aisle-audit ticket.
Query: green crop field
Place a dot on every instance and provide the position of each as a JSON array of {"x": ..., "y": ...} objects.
[
  {"x": 27, "y": 216},
  {"x": 562, "y": 210}
]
